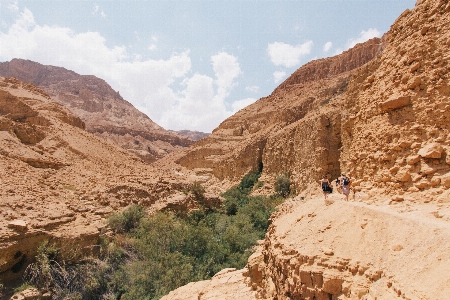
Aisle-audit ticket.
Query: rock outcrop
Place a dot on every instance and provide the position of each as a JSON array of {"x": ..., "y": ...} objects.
[
  {"x": 102, "y": 109},
  {"x": 193, "y": 135}
]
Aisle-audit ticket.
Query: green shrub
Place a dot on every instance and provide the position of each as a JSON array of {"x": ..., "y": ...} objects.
[
  {"x": 197, "y": 190},
  {"x": 283, "y": 184},
  {"x": 127, "y": 220},
  {"x": 248, "y": 181},
  {"x": 24, "y": 286},
  {"x": 151, "y": 255}
]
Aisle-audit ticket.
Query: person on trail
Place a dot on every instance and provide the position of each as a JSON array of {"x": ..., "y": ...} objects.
[
  {"x": 345, "y": 185},
  {"x": 326, "y": 186},
  {"x": 338, "y": 185}
]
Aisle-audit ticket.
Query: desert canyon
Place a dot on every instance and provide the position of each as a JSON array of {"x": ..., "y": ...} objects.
[{"x": 73, "y": 151}]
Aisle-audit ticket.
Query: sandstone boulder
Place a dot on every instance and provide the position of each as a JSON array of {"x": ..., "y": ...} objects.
[
  {"x": 432, "y": 150},
  {"x": 445, "y": 180},
  {"x": 396, "y": 102},
  {"x": 19, "y": 225}
]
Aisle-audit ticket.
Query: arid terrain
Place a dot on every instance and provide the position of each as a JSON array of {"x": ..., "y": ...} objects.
[
  {"x": 104, "y": 112},
  {"x": 378, "y": 112}
]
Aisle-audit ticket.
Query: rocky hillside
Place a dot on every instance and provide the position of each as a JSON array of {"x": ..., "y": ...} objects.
[
  {"x": 296, "y": 129},
  {"x": 59, "y": 182},
  {"x": 379, "y": 112},
  {"x": 385, "y": 121},
  {"x": 102, "y": 109},
  {"x": 193, "y": 135}
]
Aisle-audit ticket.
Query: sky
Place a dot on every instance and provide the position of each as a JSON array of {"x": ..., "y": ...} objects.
[{"x": 189, "y": 64}]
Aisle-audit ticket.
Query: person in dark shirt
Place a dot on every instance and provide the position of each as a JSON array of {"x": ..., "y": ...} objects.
[{"x": 326, "y": 186}]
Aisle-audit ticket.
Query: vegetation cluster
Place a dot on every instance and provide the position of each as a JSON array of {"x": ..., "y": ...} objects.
[{"x": 148, "y": 256}]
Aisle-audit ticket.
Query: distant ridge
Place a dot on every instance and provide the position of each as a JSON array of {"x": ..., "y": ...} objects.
[
  {"x": 193, "y": 135},
  {"x": 102, "y": 109}
]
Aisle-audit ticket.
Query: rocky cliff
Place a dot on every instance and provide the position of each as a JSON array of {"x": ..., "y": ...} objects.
[
  {"x": 379, "y": 112},
  {"x": 60, "y": 182},
  {"x": 102, "y": 109}
]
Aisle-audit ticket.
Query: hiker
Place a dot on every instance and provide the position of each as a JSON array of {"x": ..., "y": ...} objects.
[
  {"x": 345, "y": 185},
  {"x": 326, "y": 186},
  {"x": 338, "y": 185}
]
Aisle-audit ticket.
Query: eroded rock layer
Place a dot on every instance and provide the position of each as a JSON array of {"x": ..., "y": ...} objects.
[
  {"x": 102, "y": 109},
  {"x": 60, "y": 182}
]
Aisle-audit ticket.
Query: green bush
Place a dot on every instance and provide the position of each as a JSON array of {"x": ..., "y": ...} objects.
[
  {"x": 24, "y": 286},
  {"x": 151, "y": 255},
  {"x": 197, "y": 190},
  {"x": 283, "y": 184},
  {"x": 248, "y": 181},
  {"x": 127, "y": 220}
]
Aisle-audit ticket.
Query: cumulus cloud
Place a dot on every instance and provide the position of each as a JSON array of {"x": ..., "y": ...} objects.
[
  {"x": 363, "y": 36},
  {"x": 198, "y": 103},
  {"x": 327, "y": 46},
  {"x": 278, "y": 76},
  {"x": 226, "y": 69},
  {"x": 240, "y": 104},
  {"x": 286, "y": 55},
  {"x": 253, "y": 88}
]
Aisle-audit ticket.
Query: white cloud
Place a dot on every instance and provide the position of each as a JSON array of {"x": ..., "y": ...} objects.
[
  {"x": 198, "y": 103},
  {"x": 253, "y": 88},
  {"x": 226, "y": 69},
  {"x": 278, "y": 76},
  {"x": 98, "y": 11},
  {"x": 152, "y": 47},
  {"x": 327, "y": 46},
  {"x": 240, "y": 104},
  {"x": 282, "y": 54},
  {"x": 202, "y": 103},
  {"x": 13, "y": 5},
  {"x": 363, "y": 36},
  {"x": 338, "y": 51}
]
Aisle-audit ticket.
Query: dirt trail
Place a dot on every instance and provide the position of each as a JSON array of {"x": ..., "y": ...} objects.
[{"x": 378, "y": 250}]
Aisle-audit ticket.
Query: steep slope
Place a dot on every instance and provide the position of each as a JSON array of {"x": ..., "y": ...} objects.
[
  {"x": 103, "y": 110},
  {"x": 60, "y": 182},
  {"x": 296, "y": 129},
  {"x": 387, "y": 124}
]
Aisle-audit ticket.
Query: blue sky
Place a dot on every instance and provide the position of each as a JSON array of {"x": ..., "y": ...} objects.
[{"x": 189, "y": 64}]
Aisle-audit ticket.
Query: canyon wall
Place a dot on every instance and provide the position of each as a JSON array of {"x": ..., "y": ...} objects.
[
  {"x": 378, "y": 111},
  {"x": 102, "y": 109}
]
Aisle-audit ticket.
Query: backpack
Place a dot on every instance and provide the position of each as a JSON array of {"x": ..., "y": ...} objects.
[{"x": 346, "y": 181}]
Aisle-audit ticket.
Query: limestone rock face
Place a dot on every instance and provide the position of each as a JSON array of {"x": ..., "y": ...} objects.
[{"x": 103, "y": 110}]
